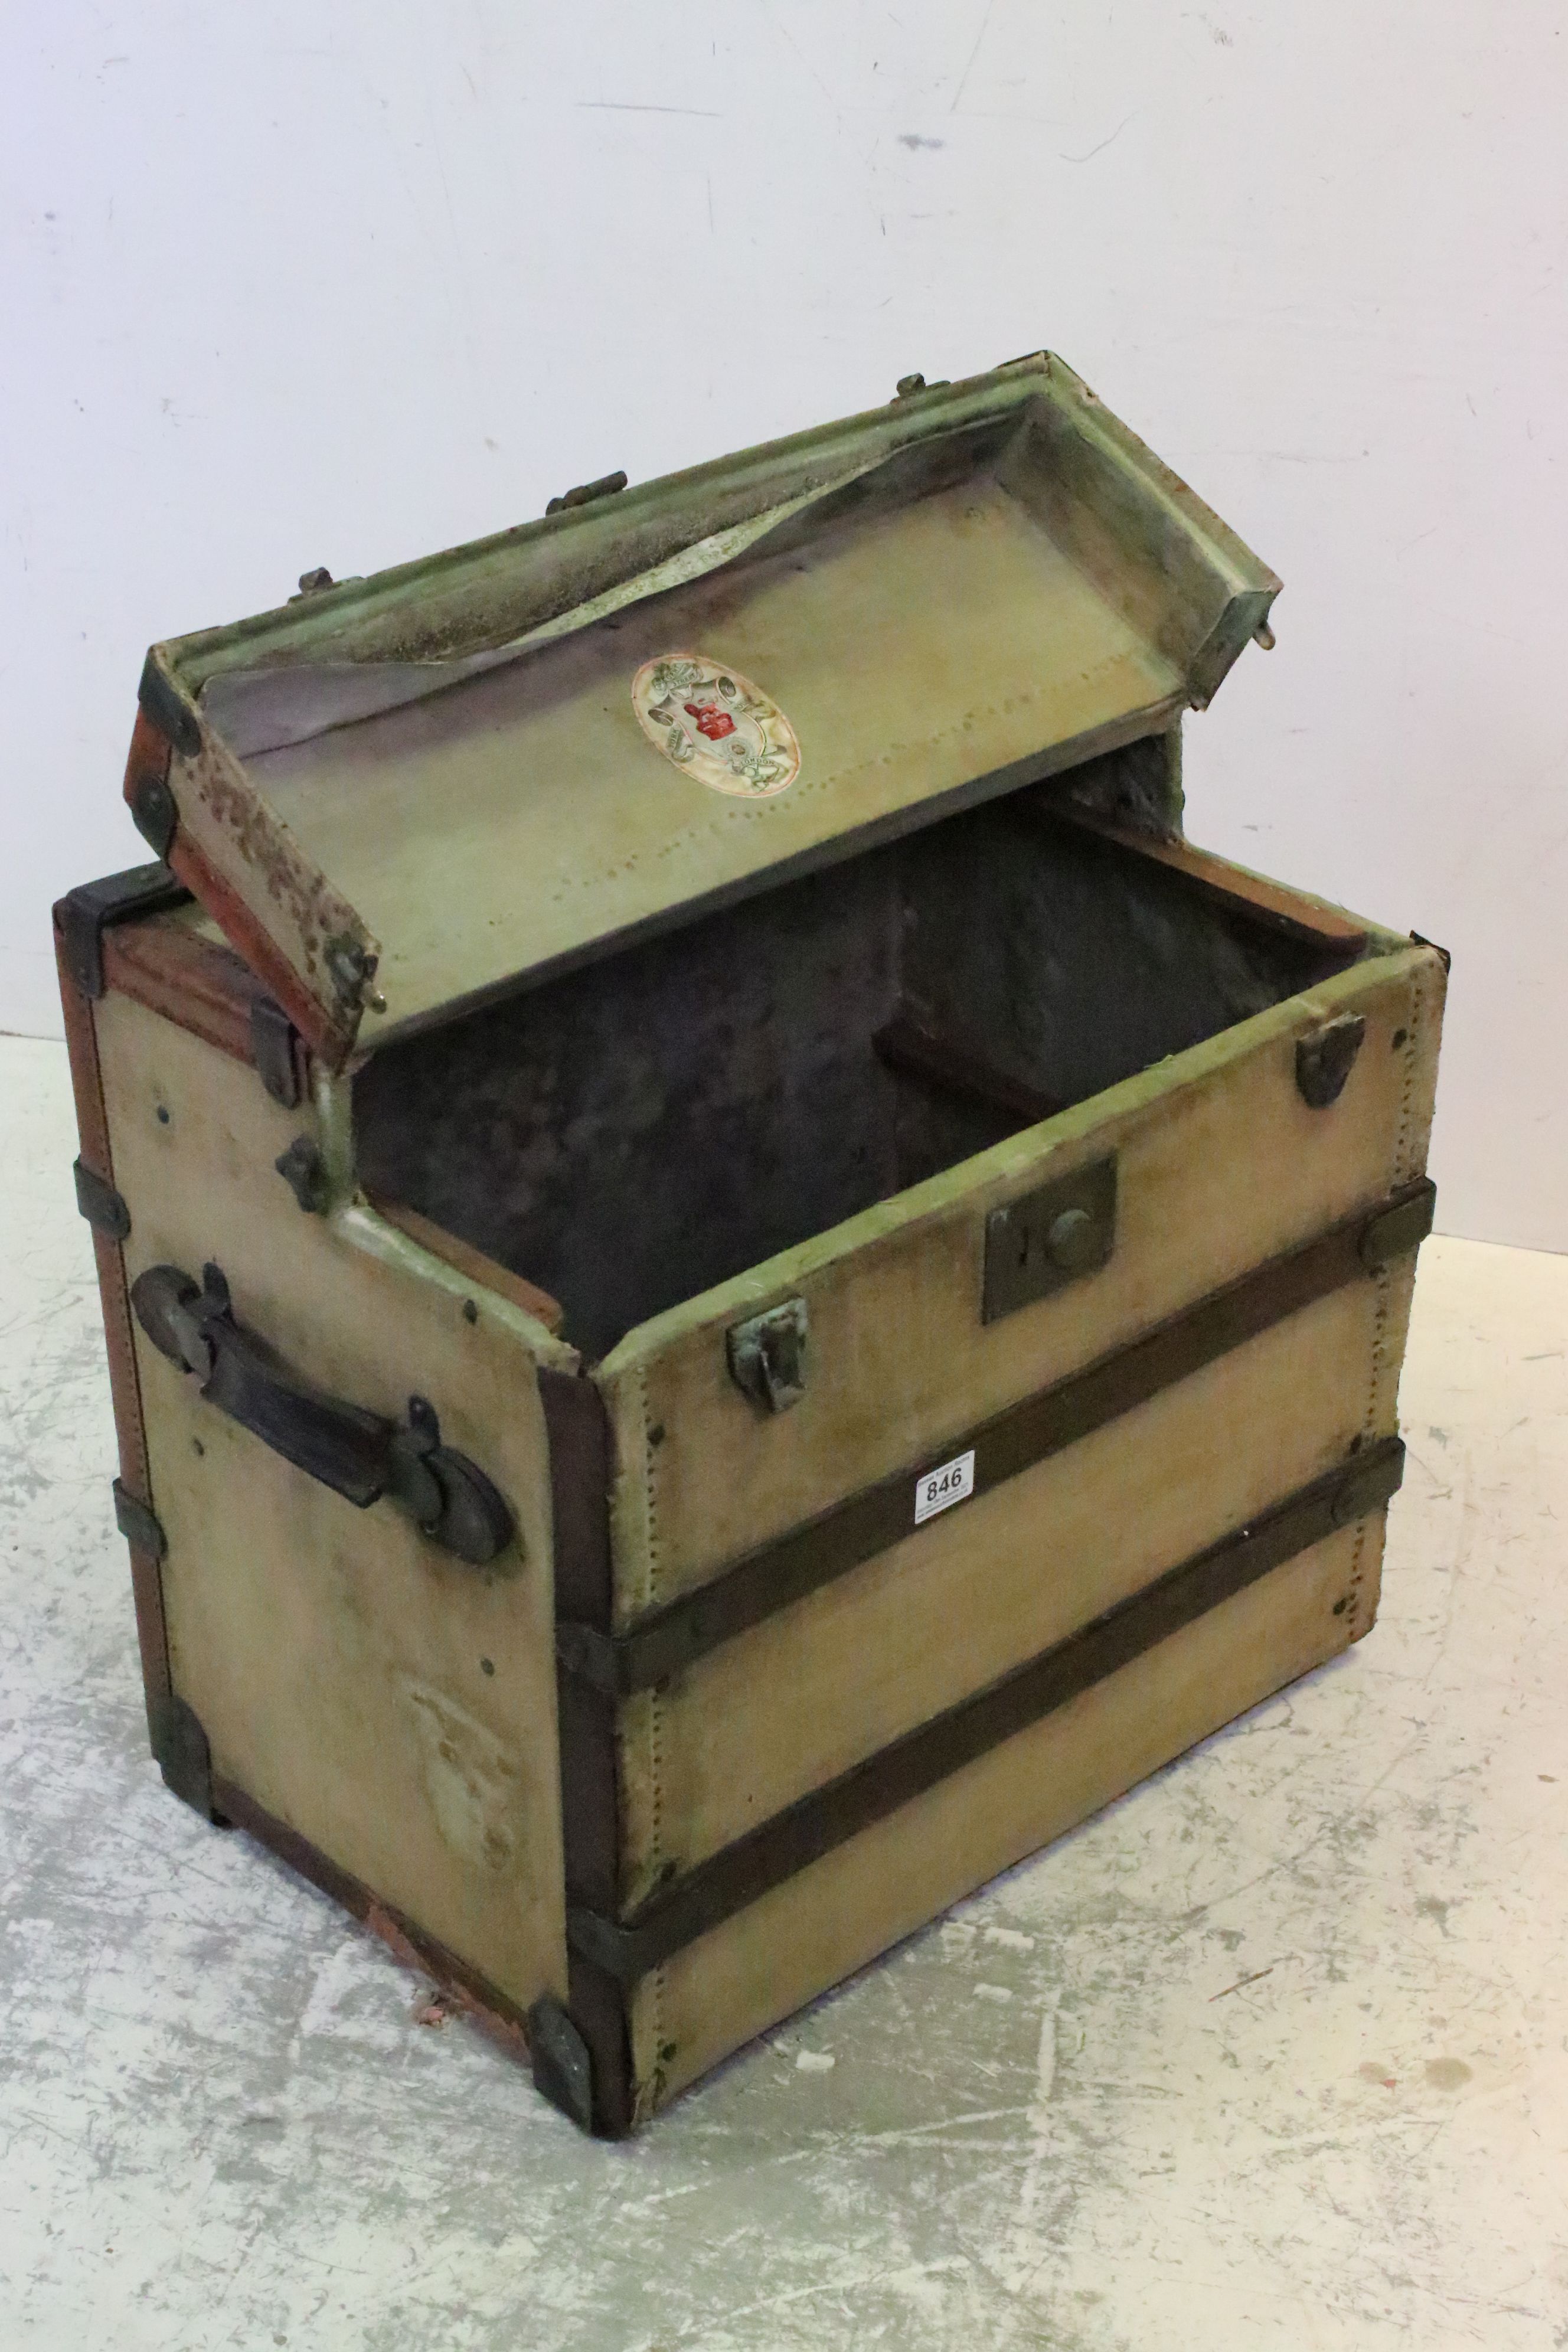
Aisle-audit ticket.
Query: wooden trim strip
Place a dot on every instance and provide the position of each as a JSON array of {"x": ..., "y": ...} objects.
[
  {"x": 504, "y": 2021},
  {"x": 828, "y": 1817},
  {"x": 1250, "y": 896},
  {"x": 786, "y": 1569},
  {"x": 580, "y": 1466},
  {"x": 124, "y": 1383},
  {"x": 597, "y": 2004},
  {"x": 149, "y": 762},
  {"x": 334, "y": 1040},
  {"x": 464, "y": 1259},
  {"x": 196, "y": 982},
  {"x": 122, "y": 937}
]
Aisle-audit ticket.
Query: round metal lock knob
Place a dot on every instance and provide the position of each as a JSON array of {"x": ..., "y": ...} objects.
[{"x": 1072, "y": 1241}]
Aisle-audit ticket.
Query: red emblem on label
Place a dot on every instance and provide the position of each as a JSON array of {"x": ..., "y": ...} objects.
[
  {"x": 711, "y": 720},
  {"x": 722, "y": 730}
]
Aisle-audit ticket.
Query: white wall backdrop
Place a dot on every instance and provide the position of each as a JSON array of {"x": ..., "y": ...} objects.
[{"x": 341, "y": 281}]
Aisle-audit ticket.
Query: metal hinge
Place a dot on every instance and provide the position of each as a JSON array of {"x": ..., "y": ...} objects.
[
  {"x": 351, "y": 969},
  {"x": 101, "y": 1205},
  {"x": 142, "y": 1528},
  {"x": 1324, "y": 1060},
  {"x": 304, "y": 1171},
  {"x": 86, "y": 913},
  {"x": 607, "y": 487},
  {"x": 273, "y": 1038}
]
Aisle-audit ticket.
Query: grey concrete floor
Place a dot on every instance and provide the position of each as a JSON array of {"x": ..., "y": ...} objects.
[{"x": 1273, "y": 2053}]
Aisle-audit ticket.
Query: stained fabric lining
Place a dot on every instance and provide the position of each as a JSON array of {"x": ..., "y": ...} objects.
[
  {"x": 269, "y": 708},
  {"x": 632, "y": 1134}
]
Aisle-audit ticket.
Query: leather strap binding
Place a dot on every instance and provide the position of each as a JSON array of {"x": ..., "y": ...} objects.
[
  {"x": 777, "y": 1849},
  {"x": 789, "y": 1567}
]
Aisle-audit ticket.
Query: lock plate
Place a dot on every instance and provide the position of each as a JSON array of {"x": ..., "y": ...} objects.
[{"x": 1049, "y": 1237}]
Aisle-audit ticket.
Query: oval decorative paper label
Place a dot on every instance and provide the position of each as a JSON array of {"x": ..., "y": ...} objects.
[{"x": 716, "y": 725}]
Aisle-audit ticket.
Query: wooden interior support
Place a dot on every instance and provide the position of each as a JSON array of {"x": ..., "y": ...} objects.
[
  {"x": 1253, "y": 897},
  {"x": 955, "y": 1066},
  {"x": 486, "y": 1271}
]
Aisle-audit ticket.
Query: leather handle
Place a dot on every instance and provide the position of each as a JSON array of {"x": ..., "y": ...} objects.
[{"x": 362, "y": 1455}]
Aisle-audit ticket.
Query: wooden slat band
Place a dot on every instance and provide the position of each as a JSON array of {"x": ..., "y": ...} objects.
[
  {"x": 791, "y": 1566},
  {"x": 739, "y": 1873}
]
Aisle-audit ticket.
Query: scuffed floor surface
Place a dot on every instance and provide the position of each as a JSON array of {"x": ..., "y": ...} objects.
[{"x": 1271, "y": 2055}]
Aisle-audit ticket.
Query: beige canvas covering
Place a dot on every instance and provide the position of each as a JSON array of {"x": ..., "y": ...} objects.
[
  {"x": 336, "y": 1659},
  {"x": 581, "y": 1062}
]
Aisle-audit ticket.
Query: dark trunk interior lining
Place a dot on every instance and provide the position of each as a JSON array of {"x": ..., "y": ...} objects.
[{"x": 631, "y": 1134}]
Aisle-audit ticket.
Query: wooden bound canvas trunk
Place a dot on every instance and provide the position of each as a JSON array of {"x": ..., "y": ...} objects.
[{"x": 738, "y": 1285}]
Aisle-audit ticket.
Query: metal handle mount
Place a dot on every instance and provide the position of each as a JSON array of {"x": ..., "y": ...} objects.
[{"x": 360, "y": 1454}]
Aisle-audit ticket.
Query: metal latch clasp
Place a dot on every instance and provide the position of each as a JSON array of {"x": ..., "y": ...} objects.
[
  {"x": 768, "y": 1355},
  {"x": 1324, "y": 1059}
]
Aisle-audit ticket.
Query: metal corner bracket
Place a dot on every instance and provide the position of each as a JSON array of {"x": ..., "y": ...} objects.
[
  {"x": 181, "y": 1752},
  {"x": 89, "y": 910},
  {"x": 168, "y": 710},
  {"x": 99, "y": 1203},
  {"x": 562, "y": 2069},
  {"x": 141, "y": 1526}
]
